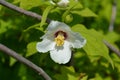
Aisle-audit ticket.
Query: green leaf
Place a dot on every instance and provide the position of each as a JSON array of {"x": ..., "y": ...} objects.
[
  {"x": 31, "y": 49},
  {"x": 28, "y": 4},
  {"x": 98, "y": 77},
  {"x": 84, "y": 12},
  {"x": 67, "y": 69},
  {"x": 116, "y": 60},
  {"x": 84, "y": 78},
  {"x": 75, "y": 4},
  {"x": 16, "y": 1},
  {"x": 12, "y": 61},
  {"x": 67, "y": 73},
  {"x": 0, "y": 8},
  {"x": 22, "y": 70},
  {"x": 71, "y": 77},
  {"x": 45, "y": 14},
  {"x": 4, "y": 26},
  {"x": 94, "y": 45},
  {"x": 112, "y": 37}
]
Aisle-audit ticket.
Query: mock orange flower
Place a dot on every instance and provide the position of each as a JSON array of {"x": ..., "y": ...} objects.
[{"x": 59, "y": 39}]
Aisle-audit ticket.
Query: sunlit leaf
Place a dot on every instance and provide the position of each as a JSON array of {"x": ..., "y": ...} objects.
[
  {"x": 31, "y": 48},
  {"x": 4, "y": 26},
  {"x": 112, "y": 37},
  {"x": 67, "y": 73},
  {"x": 12, "y": 61},
  {"x": 94, "y": 45},
  {"x": 75, "y": 5},
  {"x": 71, "y": 77},
  {"x": 84, "y": 78},
  {"x": 84, "y": 12},
  {"x": 28, "y": 4}
]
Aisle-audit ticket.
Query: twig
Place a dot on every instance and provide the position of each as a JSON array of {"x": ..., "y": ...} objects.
[
  {"x": 28, "y": 13},
  {"x": 111, "y": 27},
  {"x": 113, "y": 16},
  {"x": 112, "y": 48},
  {"x": 24, "y": 60}
]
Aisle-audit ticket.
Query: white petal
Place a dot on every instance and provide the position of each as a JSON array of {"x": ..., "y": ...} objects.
[
  {"x": 45, "y": 45},
  {"x": 48, "y": 35},
  {"x": 63, "y": 3},
  {"x": 76, "y": 40},
  {"x": 56, "y": 25},
  {"x": 61, "y": 54}
]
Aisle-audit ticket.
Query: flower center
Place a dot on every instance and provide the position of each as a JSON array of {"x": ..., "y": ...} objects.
[{"x": 60, "y": 38}]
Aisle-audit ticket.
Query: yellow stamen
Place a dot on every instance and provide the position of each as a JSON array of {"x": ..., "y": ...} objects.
[{"x": 59, "y": 39}]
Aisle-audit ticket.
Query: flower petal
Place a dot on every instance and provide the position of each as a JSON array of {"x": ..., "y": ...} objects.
[
  {"x": 76, "y": 40},
  {"x": 55, "y": 25},
  {"x": 63, "y": 3},
  {"x": 45, "y": 45},
  {"x": 61, "y": 54}
]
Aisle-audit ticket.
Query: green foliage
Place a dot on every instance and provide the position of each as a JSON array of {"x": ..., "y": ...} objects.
[
  {"x": 97, "y": 48},
  {"x": 112, "y": 37},
  {"x": 68, "y": 73},
  {"x": 31, "y": 48},
  {"x": 45, "y": 14},
  {"x": 12, "y": 61},
  {"x": 25, "y": 4},
  {"x": 84, "y": 13},
  {"x": 89, "y": 18}
]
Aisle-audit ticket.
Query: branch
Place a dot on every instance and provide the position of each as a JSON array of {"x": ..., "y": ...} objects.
[
  {"x": 112, "y": 48},
  {"x": 113, "y": 16},
  {"x": 24, "y": 61},
  {"x": 28, "y": 13}
]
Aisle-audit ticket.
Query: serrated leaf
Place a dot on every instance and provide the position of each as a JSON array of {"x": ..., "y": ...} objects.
[
  {"x": 84, "y": 12},
  {"x": 31, "y": 49},
  {"x": 94, "y": 45}
]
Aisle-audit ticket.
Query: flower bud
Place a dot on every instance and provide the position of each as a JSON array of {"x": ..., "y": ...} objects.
[
  {"x": 60, "y": 3},
  {"x": 69, "y": 18},
  {"x": 63, "y": 3}
]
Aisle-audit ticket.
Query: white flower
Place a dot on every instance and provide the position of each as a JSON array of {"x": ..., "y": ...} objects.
[
  {"x": 61, "y": 3},
  {"x": 58, "y": 40}
]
